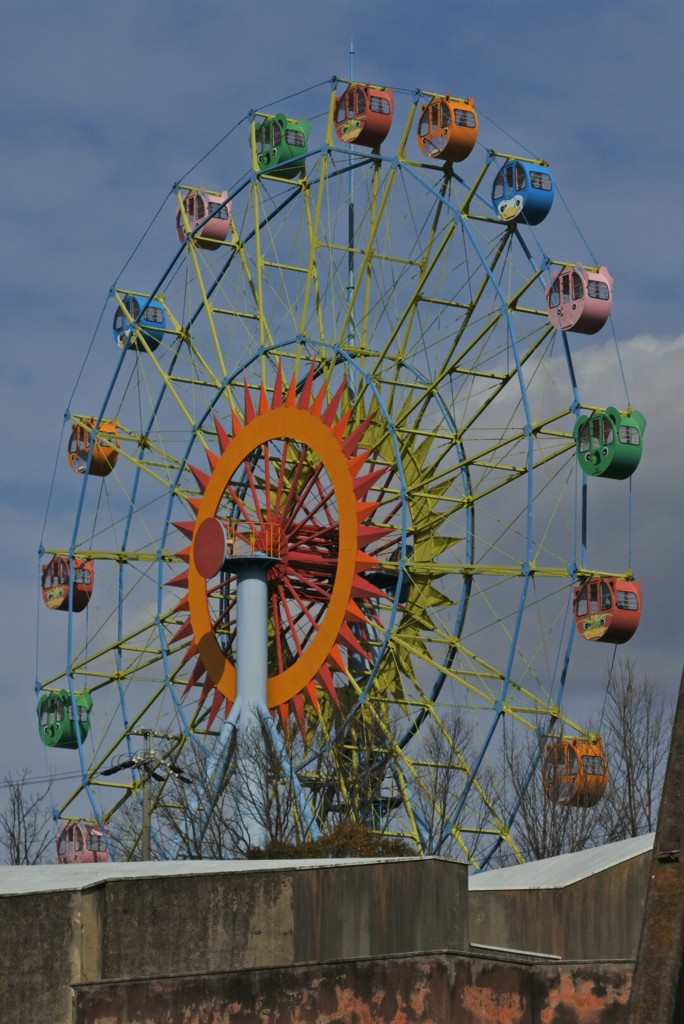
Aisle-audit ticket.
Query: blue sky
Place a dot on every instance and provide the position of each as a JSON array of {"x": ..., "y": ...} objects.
[{"x": 107, "y": 105}]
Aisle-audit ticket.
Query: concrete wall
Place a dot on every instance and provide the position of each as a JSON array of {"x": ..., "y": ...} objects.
[
  {"x": 437, "y": 988},
  {"x": 39, "y": 957},
  {"x": 597, "y": 918},
  {"x": 161, "y": 927}
]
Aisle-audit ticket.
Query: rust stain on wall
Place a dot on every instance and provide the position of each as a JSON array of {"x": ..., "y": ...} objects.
[
  {"x": 493, "y": 1006},
  {"x": 587, "y": 996}
]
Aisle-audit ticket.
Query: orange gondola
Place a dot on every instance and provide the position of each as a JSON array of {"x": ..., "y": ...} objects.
[
  {"x": 607, "y": 609},
  {"x": 448, "y": 128},
  {"x": 575, "y": 771},
  {"x": 103, "y": 457},
  {"x": 55, "y": 583},
  {"x": 363, "y": 114},
  {"x": 210, "y": 205}
]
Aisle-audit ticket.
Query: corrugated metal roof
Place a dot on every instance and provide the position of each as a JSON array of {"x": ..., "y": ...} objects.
[{"x": 557, "y": 872}]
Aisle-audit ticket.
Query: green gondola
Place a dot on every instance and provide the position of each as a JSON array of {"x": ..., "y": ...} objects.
[
  {"x": 610, "y": 443},
  {"x": 56, "y": 723},
  {"x": 280, "y": 139}
]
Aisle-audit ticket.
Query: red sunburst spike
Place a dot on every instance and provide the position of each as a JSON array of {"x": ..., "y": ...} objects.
[
  {"x": 196, "y": 676},
  {"x": 354, "y": 613},
  {"x": 184, "y": 553},
  {"x": 277, "y": 398},
  {"x": 349, "y": 443},
  {"x": 347, "y": 638},
  {"x": 328, "y": 415},
  {"x": 263, "y": 400},
  {"x": 187, "y": 527},
  {"x": 291, "y": 396},
  {"x": 195, "y": 503},
  {"x": 363, "y": 561},
  {"x": 181, "y": 580},
  {"x": 201, "y": 478},
  {"x": 237, "y": 423},
  {"x": 249, "y": 405},
  {"x": 340, "y": 426},
  {"x": 335, "y": 658},
  {"x": 212, "y": 458},
  {"x": 182, "y": 633},
  {"x": 305, "y": 394},
  {"x": 317, "y": 404},
  {"x": 216, "y": 705},
  {"x": 284, "y": 716},
  {"x": 207, "y": 687},
  {"x": 366, "y": 509},
  {"x": 190, "y": 652},
  {"x": 356, "y": 462},
  {"x": 363, "y": 484},
  {"x": 183, "y": 605},
  {"x": 325, "y": 678},
  {"x": 310, "y": 691},
  {"x": 362, "y": 589},
  {"x": 367, "y": 533},
  {"x": 221, "y": 435},
  {"x": 198, "y": 673},
  {"x": 297, "y": 704}
]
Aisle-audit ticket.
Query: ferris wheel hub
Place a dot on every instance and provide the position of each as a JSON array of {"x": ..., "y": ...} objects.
[{"x": 210, "y": 547}]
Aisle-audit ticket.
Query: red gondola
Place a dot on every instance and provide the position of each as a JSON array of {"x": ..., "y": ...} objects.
[
  {"x": 199, "y": 205},
  {"x": 448, "y": 128},
  {"x": 580, "y": 300},
  {"x": 575, "y": 772},
  {"x": 104, "y": 456},
  {"x": 607, "y": 609},
  {"x": 55, "y": 577},
  {"x": 363, "y": 114},
  {"x": 81, "y": 842}
]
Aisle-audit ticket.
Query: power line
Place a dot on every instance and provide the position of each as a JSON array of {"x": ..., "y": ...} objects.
[{"x": 38, "y": 780}]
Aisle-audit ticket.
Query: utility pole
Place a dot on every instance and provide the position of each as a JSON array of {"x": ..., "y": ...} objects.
[
  {"x": 657, "y": 995},
  {"x": 147, "y": 800},
  {"x": 151, "y": 766}
]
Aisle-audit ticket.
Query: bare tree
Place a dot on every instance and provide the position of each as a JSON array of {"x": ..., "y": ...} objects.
[
  {"x": 636, "y": 729},
  {"x": 541, "y": 827},
  {"x": 261, "y": 794},
  {"x": 26, "y": 827},
  {"x": 200, "y": 812},
  {"x": 635, "y": 726},
  {"x": 442, "y": 773}
]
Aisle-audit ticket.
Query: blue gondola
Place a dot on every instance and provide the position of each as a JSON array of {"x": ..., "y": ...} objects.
[
  {"x": 141, "y": 320},
  {"x": 523, "y": 190}
]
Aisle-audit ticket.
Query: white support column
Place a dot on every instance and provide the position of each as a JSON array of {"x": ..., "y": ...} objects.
[{"x": 251, "y": 669}]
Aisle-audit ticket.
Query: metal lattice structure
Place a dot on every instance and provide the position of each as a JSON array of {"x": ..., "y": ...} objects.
[{"x": 361, "y": 381}]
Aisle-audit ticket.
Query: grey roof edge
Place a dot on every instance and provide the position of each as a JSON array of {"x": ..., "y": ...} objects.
[
  {"x": 566, "y": 869},
  {"x": 22, "y": 880}
]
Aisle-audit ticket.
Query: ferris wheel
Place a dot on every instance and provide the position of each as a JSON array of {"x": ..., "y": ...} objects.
[{"x": 351, "y": 388}]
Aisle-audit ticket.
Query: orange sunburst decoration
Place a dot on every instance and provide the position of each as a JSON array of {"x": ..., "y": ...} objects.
[{"x": 290, "y": 483}]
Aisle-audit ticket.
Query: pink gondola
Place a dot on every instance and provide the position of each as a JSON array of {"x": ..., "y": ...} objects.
[
  {"x": 81, "y": 842},
  {"x": 199, "y": 205},
  {"x": 580, "y": 300}
]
